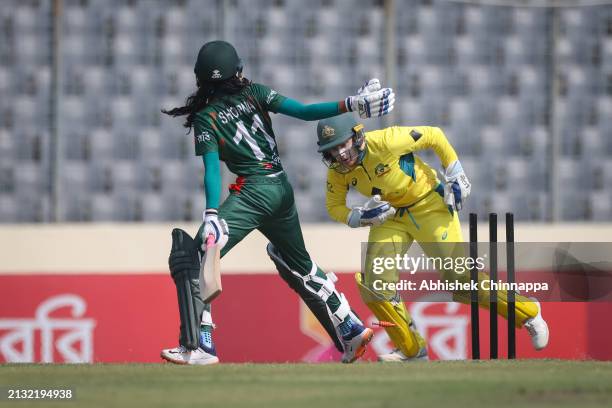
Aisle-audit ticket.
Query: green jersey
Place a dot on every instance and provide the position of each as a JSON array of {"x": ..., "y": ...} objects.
[{"x": 240, "y": 129}]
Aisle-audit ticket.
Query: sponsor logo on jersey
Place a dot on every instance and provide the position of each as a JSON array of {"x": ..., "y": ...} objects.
[
  {"x": 203, "y": 137},
  {"x": 271, "y": 96},
  {"x": 216, "y": 74},
  {"x": 381, "y": 169},
  {"x": 328, "y": 132}
]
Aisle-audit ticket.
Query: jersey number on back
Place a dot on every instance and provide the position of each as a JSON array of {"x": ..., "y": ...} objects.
[{"x": 243, "y": 133}]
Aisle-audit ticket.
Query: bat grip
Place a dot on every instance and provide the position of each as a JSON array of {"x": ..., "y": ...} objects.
[{"x": 210, "y": 241}]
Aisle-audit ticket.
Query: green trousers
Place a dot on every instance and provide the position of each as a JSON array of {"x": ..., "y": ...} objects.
[{"x": 268, "y": 205}]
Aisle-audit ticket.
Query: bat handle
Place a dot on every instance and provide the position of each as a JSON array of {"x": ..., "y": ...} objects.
[{"x": 210, "y": 241}]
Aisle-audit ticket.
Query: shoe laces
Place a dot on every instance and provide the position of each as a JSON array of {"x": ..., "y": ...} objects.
[{"x": 530, "y": 328}]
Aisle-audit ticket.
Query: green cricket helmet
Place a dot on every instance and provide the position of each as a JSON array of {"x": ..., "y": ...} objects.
[
  {"x": 335, "y": 131},
  {"x": 217, "y": 61}
]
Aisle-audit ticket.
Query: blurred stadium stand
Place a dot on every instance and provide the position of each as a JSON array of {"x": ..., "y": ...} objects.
[{"x": 481, "y": 72}]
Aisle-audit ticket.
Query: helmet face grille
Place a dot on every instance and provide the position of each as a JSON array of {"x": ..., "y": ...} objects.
[
  {"x": 359, "y": 136},
  {"x": 340, "y": 168}
]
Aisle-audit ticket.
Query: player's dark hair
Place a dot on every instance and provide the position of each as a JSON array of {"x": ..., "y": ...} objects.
[{"x": 207, "y": 91}]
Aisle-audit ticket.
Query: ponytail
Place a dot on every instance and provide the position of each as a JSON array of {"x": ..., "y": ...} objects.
[{"x": 206, "y": 92}]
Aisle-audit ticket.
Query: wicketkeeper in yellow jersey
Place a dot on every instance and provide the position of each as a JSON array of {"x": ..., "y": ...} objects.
[{"x": 407, "y": 203}]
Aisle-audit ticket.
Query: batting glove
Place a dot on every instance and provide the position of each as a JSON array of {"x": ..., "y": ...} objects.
[
  {"x": 457, "y": 187},
  {"x": 215, "y": 226},
  {"x": 374, "y": 212},
  {"x": 370, "y": 86},
  {"x": 371, "y": 103}
]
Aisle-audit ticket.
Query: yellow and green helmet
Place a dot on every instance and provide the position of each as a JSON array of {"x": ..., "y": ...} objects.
[{"x": 336, "y": 130}]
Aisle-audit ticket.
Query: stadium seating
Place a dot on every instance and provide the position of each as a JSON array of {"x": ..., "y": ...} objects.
[{"x": 484, "y": 76}]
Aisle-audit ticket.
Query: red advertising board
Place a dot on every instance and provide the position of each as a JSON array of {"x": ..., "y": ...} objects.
[{"x": 130, "y": 318}]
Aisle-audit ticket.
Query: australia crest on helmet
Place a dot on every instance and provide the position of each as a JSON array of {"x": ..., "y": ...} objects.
[{"x": 328, "y": 132}]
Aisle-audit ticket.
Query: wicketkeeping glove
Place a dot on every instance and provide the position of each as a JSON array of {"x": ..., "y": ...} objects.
[
  {"x": 371, "y": 100},
  {"x": 374, "y": 212},
  {"x": 457, "y": 187},
  {"x": 215, "y": 226}
]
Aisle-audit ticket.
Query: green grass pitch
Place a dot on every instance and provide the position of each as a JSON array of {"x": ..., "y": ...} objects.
[{"x": 527, "y": 383}]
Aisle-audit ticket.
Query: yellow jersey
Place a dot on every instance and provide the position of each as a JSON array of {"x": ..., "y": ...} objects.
[{"x": 390, "y": 168}]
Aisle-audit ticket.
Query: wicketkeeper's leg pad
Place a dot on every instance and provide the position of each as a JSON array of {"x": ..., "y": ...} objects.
[
  {"x": 184, "y": 262},
  {"x": 525, "y": 308},
  {"x": 401, "y": 331}
]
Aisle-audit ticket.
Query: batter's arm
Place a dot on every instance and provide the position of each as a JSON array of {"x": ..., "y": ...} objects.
[
  {"x": 212, "y": 179},
  {"x": 313, "y": 111}
]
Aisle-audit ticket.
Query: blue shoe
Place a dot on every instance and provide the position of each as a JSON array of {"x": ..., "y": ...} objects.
[{"x": 355, "y": 342}]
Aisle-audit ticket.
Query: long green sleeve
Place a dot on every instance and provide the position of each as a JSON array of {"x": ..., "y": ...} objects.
[
  {"x": 212, "y": 179},
  {"x": 314, "y": 111}
]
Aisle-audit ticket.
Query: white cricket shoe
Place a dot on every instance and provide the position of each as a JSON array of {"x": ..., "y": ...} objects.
[
  {"x": 397, "y": 356},
  {"x": 537, "y": 328},
  {"x": 356, "y": 342},
  {"x": 180, "y": 355}
]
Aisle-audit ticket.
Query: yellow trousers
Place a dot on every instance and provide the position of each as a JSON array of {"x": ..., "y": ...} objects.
[{"x": 435, "y": 228}]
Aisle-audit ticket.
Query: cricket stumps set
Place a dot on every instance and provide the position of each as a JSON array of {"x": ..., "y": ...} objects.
[{"x": 493, "y": 316}]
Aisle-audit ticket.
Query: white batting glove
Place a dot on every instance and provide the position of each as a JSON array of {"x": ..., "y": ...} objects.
[
  {"x": 457, "y": 187},
  {"x": 371, "y": 104},
  {"x": 215, "y": 226},
  {"x": 374, "y": 212},
  {"x": 370, "y": 86}
]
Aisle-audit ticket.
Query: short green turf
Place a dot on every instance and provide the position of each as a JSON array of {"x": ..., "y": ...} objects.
[{"x": 523, "y": 383}]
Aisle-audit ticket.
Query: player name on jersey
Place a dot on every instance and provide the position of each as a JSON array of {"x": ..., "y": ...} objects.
[{"x": 233, "y": 112}]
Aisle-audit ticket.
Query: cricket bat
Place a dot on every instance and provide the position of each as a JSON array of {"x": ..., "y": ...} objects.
[{"x": 210, "y": 272}]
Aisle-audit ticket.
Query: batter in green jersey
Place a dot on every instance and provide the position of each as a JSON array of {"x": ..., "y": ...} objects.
[{"x": 230, "y": 118}]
